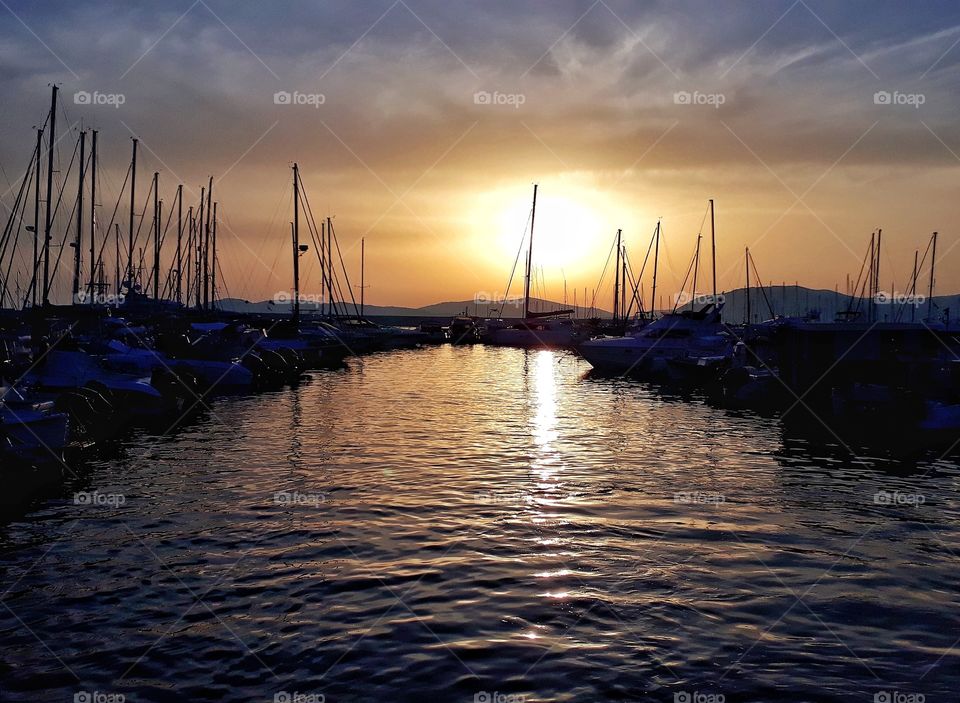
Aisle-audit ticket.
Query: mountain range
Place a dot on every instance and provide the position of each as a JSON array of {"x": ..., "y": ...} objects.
[{"x": 779, "y": 300}]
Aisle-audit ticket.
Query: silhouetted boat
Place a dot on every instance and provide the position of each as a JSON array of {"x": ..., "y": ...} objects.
[{"x": 682, "y": 336}]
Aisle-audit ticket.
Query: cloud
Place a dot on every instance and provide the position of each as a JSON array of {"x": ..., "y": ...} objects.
[{"x": 599, "y": 84}]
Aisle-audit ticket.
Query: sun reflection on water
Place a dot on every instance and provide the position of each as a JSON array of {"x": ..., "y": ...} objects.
[{"x": 544, "y": 421}]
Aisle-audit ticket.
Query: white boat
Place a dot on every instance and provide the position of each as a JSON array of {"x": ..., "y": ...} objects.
[
  {"x": 221, "y": 376},
  {"x": 680, "y": 336},
  {"x": 63, "y": 370},
  {"x": 534, "y": 332}
]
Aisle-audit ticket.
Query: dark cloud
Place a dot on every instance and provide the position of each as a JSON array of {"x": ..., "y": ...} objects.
[{"x": 598, "y": 83}]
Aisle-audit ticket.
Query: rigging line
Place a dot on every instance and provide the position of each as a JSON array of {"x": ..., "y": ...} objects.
[
  {"x": 603, "y": 273},
  {"x": 514, "y": 269},
  {"x": 66, "y": 230},
  {"x": 29, "y": 172},
  {"x": 222, "y": 279},
  {"x": 62, "y": 246},
  {"x": 336, "y": 241},
  {"x": 913, "y": 285},
  {"x": 105, "y": 234},
  {"x": 685, "y": 278},
  {"x": 634, "y": 298},
  {"x": 21, "y": 198},
  {"x": 704, "y": 220},
  {"x": 316, "y": 239},
  {"x": 287, "y": 188},
  {"x": 643, "y": 268},
  {"x": 136, "y": 237},
  {"x": 346, "y": 276},
  {"x": 20, "y": 204},
  {"x": 168, "y": 284},
  {"x": 279, "y": 250},
  {"x": 328, "y": 277},
  {"x": 63, "y": 187},
  {"x": 857, "y": 285},
  {"x": 763, "y": 290},
  {"x": 163, "y": 235}
]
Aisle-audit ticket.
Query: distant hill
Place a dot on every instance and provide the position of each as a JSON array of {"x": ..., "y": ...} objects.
[
  {"x": 798, "y": 301},
  {"x": 784, "y": 300},
  {"x": 444, "y": 309}
]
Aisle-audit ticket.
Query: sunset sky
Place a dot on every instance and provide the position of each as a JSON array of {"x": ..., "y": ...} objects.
[{"x": 623, "y": 112}]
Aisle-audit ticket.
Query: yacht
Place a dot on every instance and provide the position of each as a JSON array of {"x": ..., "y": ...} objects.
[{"x": 680, "y": 336}]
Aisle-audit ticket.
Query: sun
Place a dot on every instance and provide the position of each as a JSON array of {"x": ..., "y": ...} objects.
[{"x": 566, "y": 229}]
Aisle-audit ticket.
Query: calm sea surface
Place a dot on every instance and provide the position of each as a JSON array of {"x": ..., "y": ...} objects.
[{"x": 488, "y": 525}]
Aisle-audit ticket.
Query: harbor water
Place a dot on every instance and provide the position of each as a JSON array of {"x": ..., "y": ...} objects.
[{"x": 485, "y": 524}]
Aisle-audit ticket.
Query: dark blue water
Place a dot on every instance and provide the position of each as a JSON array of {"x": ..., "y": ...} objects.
[{"x": 481, "y": 524}]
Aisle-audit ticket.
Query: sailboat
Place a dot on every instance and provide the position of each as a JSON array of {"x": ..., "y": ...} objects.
[{"x": 536, "y": 329}]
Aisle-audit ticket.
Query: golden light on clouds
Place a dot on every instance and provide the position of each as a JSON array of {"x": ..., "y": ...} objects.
[{"x": 802, "y": 161}]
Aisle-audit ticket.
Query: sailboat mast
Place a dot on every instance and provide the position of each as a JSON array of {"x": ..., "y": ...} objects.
[
  {"x": 526, "y": 286},
  {"x": 77, "y": 242},
  {"x": 296, "y": 243},
  {"x": 189, "y": 252},
  {"x": 213, "y": 262},
  {"x": 746, "y": 257},
  {"x": 49, "y": 209},
  {"x": 656, "y": 260},
  {"x": 206, "y": 249},
  {"x": 913, "y": 287},
  {"x": 696, "y": 273},
  {"x": 876, "y": 275},
  {"x": 623, "y": 286},
  {"x": 156, "y": 236},
  {"x": 873, "y": 239},
  {"x": 198, "y": 276},
  {"x": 179, "y": 290},
  {"x": 116, "y": 241},
  {"x": 93, "y": 211},
  {"x": 36, "y": 220},
  {"x": 933, "y": 263},
  {"x": 133, "y": 207},
  {"x": 616, "y": 282},
  {"x": 330, "y": 263},
  {"x": 713, "y": 250},
  {"x": 363, "y": 242},
  {"x": 323, "y": 264}
]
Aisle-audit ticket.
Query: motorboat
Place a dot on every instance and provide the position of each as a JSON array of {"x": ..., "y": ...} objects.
[{"x": 685, "y": 337}]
